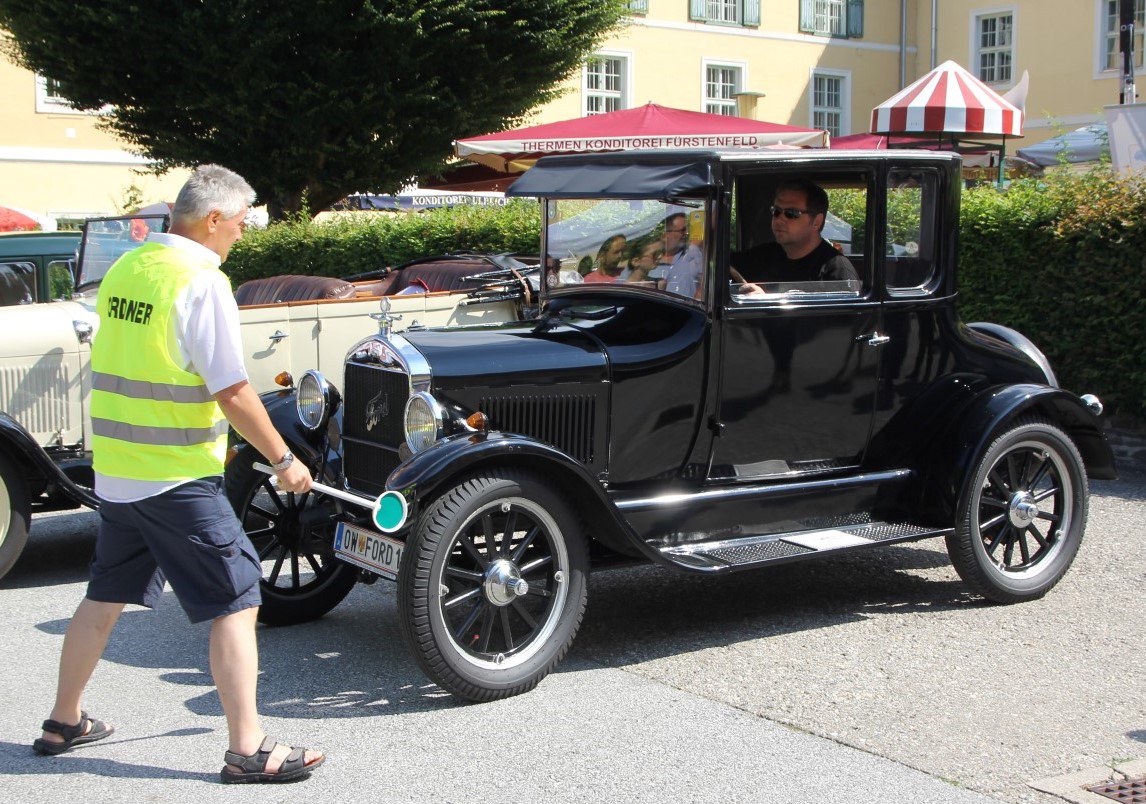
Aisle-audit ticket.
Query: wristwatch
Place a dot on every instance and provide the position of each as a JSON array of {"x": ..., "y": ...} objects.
[{"x": 284, "y": 462}]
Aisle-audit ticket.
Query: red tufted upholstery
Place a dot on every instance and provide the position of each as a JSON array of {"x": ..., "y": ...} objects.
[
  {"x": 292, "y": 287},
  {"x": 439, "y": 275}
]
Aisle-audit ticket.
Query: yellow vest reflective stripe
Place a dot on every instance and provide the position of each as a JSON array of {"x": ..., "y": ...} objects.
[{"x": 151, "y": 418}]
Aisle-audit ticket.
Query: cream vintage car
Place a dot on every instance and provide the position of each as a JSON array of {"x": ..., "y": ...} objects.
[{"x": 289, "y": 324}]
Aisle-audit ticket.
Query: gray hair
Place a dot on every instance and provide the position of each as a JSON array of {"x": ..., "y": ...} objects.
[{"x": 212, "y": 187}]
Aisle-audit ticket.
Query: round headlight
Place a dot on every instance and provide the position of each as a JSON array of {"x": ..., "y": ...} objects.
[
  {"x": 313, "y": 400},
  {"x": 424, "y": 421}
]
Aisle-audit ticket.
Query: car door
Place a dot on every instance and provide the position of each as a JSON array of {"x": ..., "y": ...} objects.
[{"x": 797, "y": 372}]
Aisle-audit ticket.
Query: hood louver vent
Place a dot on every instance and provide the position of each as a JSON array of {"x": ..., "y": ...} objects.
[{"x": 564, "y": 420}]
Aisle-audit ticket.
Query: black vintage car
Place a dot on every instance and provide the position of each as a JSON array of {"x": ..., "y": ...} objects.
[{"x": 709, "y": 429}]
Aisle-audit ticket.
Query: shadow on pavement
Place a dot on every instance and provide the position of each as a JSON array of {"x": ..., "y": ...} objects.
[
  {"x": 19, "y": 760},
  {"x": 639, "y": 614},
  {"x": 351, "y": 663}
]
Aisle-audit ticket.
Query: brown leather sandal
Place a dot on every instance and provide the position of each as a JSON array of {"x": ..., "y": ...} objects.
[{"x": 254, "y": 767}]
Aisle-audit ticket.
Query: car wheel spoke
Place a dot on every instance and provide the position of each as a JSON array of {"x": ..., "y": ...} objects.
[
  {"x": 506, "y": 628},
  {"x": 524, "y": 614},
  {"x": 460, "y": 632},
  {"x": 519, "y": 551},
  {"x": 459, "y": 599},
  {"x": 468, "y": 544},
  {"x": 1040, "y": 475},
  {"x": 485, "y": 630},
  {"x": 536, "y": 564}
]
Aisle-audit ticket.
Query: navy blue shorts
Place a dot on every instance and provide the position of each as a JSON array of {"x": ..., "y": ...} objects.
[{"x": 187, "y": 536}]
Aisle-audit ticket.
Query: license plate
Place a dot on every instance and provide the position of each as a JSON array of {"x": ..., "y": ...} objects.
[{"x": 367, "y": 549}]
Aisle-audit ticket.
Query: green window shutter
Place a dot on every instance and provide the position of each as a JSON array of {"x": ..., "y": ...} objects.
[
  {"x": 696, "y": 10},
  {"x": 855, "y": 18},
  {"x": 751, "y": 12},
  {"x": 807, "y": 16}
]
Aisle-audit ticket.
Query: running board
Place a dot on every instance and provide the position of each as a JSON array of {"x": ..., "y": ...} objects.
[{"x": 752, "y": 551}]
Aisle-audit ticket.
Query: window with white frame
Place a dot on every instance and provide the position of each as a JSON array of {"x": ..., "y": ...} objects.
[
  {"x": 49, "y": 100},
  {"x": 606, "y": 84},
  {"x": 829, "y": 102},
  {"x": 1112, "y": 48},
  {"x": 721, "y": 83},
  {"x": 727, "y": 12},
  {"x": 832, "y": 17},
  {"x": 994, "y": 47}
]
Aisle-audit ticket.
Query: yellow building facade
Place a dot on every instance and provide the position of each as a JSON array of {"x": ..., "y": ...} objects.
[
  {"x": 55, "y": 162},
  {"x": 812, "y": 63}
]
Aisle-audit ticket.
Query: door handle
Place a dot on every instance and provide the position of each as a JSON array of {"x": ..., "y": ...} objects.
[
  {"x": 278, "y": 336},
  {"x": 878, "y": 340}
]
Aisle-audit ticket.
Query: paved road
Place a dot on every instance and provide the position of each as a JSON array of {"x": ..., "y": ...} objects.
[{"x": 875, "y": 678}]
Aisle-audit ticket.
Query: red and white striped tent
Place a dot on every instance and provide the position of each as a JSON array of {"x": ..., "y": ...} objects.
[{"x": 948, "y": 103}]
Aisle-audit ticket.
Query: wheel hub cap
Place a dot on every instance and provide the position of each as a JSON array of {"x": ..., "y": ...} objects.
[
  {"x": 503, "y": 583},
  {"x": 1023, "y": 509}
]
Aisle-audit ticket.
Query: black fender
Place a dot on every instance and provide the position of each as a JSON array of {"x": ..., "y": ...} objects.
[
  {"x": 420, "y": 476},
  {"x": 1019, "y": 342},
  {"x": 314, "y": 448},
  {"x": 17, "y": 443},
  {"x": 992, "y": 410}
]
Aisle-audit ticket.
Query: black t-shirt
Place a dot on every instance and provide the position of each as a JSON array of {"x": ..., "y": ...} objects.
[{"x": 767, "y": 262}]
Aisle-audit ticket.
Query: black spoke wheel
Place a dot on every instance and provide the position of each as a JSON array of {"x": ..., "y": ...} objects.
[
  {"x": 15, "y": 515},
  {"x": 302, "y": 580},
  {"x": 493, "y": 585},
  {"x": 1022, "y": 521}
]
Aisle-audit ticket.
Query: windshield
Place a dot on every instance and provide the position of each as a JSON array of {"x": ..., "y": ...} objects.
[
  {"x": 107, "y": 239},
  {"x": 642, "y": 243}
]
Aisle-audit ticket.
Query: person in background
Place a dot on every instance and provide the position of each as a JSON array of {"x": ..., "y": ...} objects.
[
  {"x": 608, "y": 267},
  {"x": 167, "y": 377},
  {"x": 682, "y": 264},
  {"x": 644, "y": 255}
]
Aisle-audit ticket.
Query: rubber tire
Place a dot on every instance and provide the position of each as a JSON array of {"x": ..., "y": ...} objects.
[
  {"x": 301, "y": 600},
  {"x": 968, "y": 546},
  {"x": 15, "y": 515},
  {"x": 477, "y": 676}
]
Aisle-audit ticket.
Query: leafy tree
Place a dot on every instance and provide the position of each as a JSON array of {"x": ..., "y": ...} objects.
[{"x": 309, "y": 101}]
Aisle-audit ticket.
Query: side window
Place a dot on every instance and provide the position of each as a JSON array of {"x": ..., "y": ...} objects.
[
  {"x": 784, "y": 250},
  {"x": 912, "y": 204},
  {"x": 17, "y": 283},
  {"x": 60, "y": 279}
]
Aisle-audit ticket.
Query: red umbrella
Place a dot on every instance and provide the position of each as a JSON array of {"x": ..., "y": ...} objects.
[
  {"x": 648, "y": 126},
  {"x": 14, "y": 219}
]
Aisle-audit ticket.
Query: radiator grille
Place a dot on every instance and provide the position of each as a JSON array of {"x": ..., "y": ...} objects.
[
  {"x": 375, "y": 396},
  {"x": 564, "y": 420},
  {"x": 37, "y": 396},
  {"x": 368, "y": 465}
]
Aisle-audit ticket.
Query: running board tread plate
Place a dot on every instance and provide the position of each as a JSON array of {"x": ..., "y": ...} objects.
[{"x": 749, "y": 551}]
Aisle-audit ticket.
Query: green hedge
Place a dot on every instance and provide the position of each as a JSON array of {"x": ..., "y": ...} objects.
[
  {"x": 361, "y": 242},
  {"x": 1061, "y": 259}
]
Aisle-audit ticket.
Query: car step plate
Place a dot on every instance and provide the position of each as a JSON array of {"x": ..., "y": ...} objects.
[{"x": 754, "y": 550}]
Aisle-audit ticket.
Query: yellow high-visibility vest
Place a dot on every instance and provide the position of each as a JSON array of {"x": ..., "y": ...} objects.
[{"x": 151, "y": 418}]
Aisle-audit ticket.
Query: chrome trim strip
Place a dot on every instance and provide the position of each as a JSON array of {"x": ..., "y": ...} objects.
[
  {"x": 416, "y": 364},
  {"x": 393, "y": 354},
  {"x": 755, "y": 491}
]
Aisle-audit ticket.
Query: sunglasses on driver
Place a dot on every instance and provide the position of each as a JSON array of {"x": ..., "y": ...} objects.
[{"x": 791, "y": 213}]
